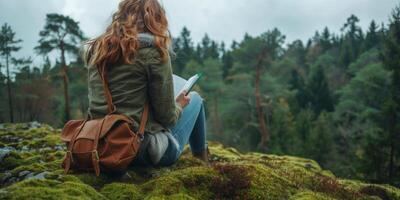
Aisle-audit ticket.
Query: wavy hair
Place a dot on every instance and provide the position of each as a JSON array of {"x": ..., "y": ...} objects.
[{"x": 120, "y": 42}]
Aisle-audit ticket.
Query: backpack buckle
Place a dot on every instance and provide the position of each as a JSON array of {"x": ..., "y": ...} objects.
[
  {"x": 95, "y": 154},
  {"x": 69, "y": 155}
]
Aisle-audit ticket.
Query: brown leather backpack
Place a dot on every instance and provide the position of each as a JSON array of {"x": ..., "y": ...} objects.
[{"x": 107, "y": 143}]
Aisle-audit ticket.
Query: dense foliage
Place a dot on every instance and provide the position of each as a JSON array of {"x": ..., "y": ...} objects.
[{"x": 335, "y": 99}]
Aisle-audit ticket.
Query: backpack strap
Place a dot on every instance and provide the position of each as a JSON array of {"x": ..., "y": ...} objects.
[
  {"x": 95, "y": 153},
  {"x": 103, "y": 74},
  {"x": 68, "y": 157},
  {"x": 143, "y": 121},
  {"x": 112, "y": 108}
]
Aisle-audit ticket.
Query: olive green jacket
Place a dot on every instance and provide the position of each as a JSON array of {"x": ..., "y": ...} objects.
[{"x": 149, "y": 78}]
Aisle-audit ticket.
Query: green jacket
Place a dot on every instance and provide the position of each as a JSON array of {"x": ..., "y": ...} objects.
[{"x": 149, "y": 78}]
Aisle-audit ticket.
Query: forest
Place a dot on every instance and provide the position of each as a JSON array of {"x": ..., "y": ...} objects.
[{"x": 334, "y": 98}]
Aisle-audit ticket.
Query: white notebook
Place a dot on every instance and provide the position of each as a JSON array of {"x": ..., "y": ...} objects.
[{"x": 181, "y": 84}]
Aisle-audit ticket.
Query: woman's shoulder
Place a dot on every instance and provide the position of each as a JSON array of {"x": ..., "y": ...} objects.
[
  {"x": 148, "y": 49},
  {"x": 149, "y": 52},
  {"x": 151, "y": 55}
]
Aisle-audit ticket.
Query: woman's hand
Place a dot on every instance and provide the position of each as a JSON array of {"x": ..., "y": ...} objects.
[{"x": 182, "y": 99}]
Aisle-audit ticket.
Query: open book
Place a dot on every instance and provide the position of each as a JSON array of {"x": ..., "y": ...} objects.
[{"x": 181, "y": 84}]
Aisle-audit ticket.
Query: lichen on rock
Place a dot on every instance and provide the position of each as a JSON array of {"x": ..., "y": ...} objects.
[{"x": 30, "y": 168}]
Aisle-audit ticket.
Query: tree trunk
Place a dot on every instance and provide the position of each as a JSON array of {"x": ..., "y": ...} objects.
[
  {"x": 10, "y": 103},
  {"x": 64, "y": 72},
  {"x": 260, "y": 113},
  {"x": 217, "y": 126},
  {"x": 391, "y": 163}
]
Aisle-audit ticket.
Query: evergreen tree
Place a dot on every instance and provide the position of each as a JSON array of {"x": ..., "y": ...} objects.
[
  {"x": 320, "y": 141},
  {"x": 297, "y": 84},
  {"x": 284, "y": 140},
  {"x": 353, "y": 38},
  {"x": 61, "y": 33},
  {"x": 198, "y": 55},
  {"x": 212, "y": 85},
  {"x": 227, "y": 61},
  {"x": 234, "y": 45},
  {"x": 303, "y": 125},
  {"x": 209, "y": 48},
  {"x": 372, "y": 38},
  {"x": 184, "y": 49},
  {"x": 391, "y": 109},
  {"x": 357, "y": 116},
  {"x": 272, "y": 48},
  {"x": 46, "y": 67},
  {"x": 297, "y": 51},
  {"x": 326, "y": 40},
  {"x": 274, "y": 40},
  {"x": 9, "y": 45},
  {"x": 320, "y": 95}
]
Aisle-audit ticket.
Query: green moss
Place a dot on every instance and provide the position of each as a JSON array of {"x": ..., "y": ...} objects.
[
  {"x": 92, "y": 180},
  {"x": 196, "y": 181},
  {"x": 163, "y": 186},
  {"x": 309, "y": 195},
  {"x": 187, "y": 160},
  {"x": 220, "y": 153},
  {"x": 34, "y": 138},
  {"x": 16, "y": 159},
  {"x": 49, "y": 140},
  {"x": 180, "y": 197},
  {"x": 29, "y": 161},
  {"x": 233, "y": 175},
  {"x": 119, "y": 191},
  {"x": 49, "y": 189},
  {"x": 382, "y": 191},
  {"x": 35, "y": 167},
  {"x": 266, "y": 184}
]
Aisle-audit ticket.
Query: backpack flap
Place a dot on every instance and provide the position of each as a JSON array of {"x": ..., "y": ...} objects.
[
  {"x": 91, "y": 127},
  {"x": 69, "y": 130}
]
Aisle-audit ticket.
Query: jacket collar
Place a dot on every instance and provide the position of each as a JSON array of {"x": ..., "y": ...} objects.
[{"x": 147, "y": 40}]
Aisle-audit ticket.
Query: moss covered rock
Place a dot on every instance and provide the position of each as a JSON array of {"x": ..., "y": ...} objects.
[{"x": 31, "y": 154}]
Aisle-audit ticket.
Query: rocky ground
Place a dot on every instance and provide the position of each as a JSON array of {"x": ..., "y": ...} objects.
[{"x": 31, "y": 154}]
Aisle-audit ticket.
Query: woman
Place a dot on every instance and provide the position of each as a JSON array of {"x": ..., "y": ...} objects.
[{"x": 135, "y": 49}]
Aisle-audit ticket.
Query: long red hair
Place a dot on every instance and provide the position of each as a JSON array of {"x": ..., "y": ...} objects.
[{"x": 120, "y": 42}]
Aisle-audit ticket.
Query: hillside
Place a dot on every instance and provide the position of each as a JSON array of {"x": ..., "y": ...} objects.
[{"x": 31, "y": 154}]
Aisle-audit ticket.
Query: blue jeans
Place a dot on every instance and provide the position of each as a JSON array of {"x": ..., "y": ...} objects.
[{"x": 190, "y": 128}]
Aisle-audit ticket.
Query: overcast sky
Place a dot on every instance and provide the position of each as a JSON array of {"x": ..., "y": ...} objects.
[{"x": 223, "y": 20}]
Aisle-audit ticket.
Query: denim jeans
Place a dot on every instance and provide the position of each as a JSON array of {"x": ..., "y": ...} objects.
[{"x": 190, "y": 128}]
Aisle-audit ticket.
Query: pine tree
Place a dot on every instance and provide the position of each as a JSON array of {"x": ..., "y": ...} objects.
[
  {"x": 46, "y": 68},
  {"x": 184, "y": 49},
  {"x": 326, "y": 40},
  {"x": 372, "y": 38},
  {"x": 353, "y": 38},
  {"x": 272, "y": 42},
  {"x": 234, "y": 45},
  {"x": 297, "y": 84},
  {"x": 209, "y": 48},
  {"x": 61, "y": 33},
  {"x": 391, "y": 61},
  {"x": 358, "y": 115},
  {"x": 9, "y": 45},
  {"x": 297, "y": 51},
  {"x": 227, "y": 60},
  {"x": 213, "y": 86},
  {"x": 320, "y": 141},
  {"x": 320, "y": 94}
]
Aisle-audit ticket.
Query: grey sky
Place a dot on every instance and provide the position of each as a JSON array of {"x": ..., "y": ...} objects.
[{"x": 223, "y": 20}]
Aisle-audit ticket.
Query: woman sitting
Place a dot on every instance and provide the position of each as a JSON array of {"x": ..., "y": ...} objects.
[{"x": 136, "y": 49}]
